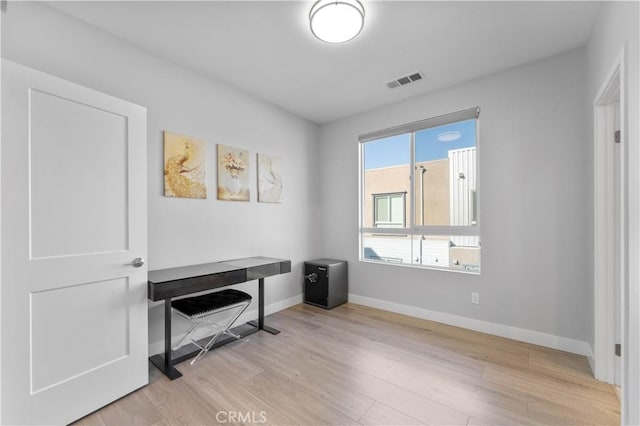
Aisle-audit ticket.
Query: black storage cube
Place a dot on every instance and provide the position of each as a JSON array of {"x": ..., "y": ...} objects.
[{"x": 325, "y": 282}]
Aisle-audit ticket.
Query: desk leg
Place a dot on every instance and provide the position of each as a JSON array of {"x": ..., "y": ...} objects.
[
  {"x": 164, "y": 363},
  {"x": 167, "y": 334},
  {"x": 260, "y": 322},
  {"x": 261, "y": 304}
]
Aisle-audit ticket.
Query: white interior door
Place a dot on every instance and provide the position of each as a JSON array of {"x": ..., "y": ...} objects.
[{"x": 74, "y": 309}]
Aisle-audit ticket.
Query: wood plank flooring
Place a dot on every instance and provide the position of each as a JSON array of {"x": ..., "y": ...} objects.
[{"x": 357, "y": 365}]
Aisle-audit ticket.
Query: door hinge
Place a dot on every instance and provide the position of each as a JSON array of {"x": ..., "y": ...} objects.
[
  {"x": 616, "y": 136},
  {"x": 618, "y": 349}
]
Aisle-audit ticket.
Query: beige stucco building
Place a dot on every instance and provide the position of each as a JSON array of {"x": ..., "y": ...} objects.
[
  {"x": 439, "y": 201},
  {"x": 397, "y": 179}
]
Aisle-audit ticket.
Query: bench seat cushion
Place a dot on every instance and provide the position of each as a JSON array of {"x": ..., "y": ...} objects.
[{"x": 199, "y": 305}]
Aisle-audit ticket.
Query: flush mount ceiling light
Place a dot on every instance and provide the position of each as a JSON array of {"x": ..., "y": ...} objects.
[{"x": 336, "y": 21}]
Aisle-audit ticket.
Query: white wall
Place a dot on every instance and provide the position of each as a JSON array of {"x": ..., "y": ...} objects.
[
  {"x": 617, "y": 27},
  {"x": 535, "y": 185},
  {"x": 186, "y": 231}
]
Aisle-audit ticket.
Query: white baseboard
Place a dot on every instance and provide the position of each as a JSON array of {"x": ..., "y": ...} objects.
[
  {"x": 515, "y": 333},
  {"x": 158, "y": 347},
  {"x": 592, "y": 361}
]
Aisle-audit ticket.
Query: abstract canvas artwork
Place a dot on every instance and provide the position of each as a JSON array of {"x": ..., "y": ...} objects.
[
  {"x": 269, "y": 179},
  {"x": 233, "y": 173},
  {"x": 185, "y": 166}
]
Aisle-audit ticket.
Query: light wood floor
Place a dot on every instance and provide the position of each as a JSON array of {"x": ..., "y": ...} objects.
[{"x": 357, "y": 365}]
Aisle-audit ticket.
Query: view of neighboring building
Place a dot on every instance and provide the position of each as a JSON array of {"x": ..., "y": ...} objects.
[{"x": 444, "y": 195}]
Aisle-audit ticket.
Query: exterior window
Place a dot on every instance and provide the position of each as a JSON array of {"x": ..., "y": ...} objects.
[
  {"x": 388, "y": 210},
  {"x": 419, "y": 194}
]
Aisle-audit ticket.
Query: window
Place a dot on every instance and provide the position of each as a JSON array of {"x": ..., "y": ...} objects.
[
  {"x": 388, "y": 210},
  {"x": 419, "y": 194}
]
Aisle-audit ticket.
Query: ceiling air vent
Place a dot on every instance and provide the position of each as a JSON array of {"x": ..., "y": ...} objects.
[{"x": 404, "y": 80}]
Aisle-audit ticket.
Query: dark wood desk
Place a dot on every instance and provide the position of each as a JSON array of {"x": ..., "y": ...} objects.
[{"x": 165, "y": 284}]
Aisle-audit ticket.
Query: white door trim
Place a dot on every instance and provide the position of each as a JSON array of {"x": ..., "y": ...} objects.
[{"x": 604, "y": 220}]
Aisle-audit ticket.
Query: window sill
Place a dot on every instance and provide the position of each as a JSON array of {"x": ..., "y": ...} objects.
[{"x": 427, "y": 267}]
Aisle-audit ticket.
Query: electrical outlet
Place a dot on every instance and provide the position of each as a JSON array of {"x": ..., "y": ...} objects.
[{"x": 475, "y": 298}]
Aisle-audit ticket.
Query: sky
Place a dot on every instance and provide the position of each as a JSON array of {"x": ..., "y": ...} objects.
[{"x": 431, "y": 144}]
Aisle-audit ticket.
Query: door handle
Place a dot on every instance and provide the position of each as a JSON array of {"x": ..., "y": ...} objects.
[{"x": 137, "y": 262}]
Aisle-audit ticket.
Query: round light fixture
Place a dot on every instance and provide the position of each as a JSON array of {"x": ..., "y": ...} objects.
[{"x": 336, "y": 21}]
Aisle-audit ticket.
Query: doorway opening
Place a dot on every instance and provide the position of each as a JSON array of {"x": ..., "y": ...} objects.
[{"x": 610, "y": 227}]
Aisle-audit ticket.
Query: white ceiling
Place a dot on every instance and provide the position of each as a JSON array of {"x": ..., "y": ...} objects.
[{"x": 265, "y": 48}]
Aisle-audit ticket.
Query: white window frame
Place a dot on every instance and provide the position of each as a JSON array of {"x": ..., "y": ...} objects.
[
  {"x": 412, "y": 228},
  {"x": 389, "y": 195}
]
